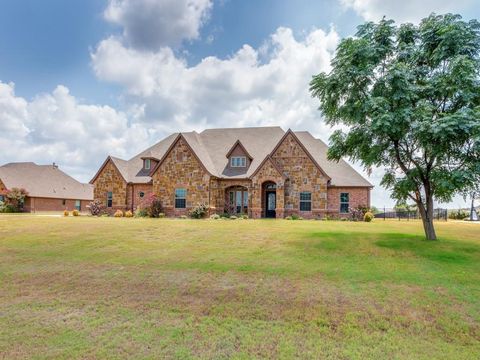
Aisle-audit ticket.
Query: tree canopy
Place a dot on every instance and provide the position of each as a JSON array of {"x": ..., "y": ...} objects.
[{"x": 409, "y": 97}]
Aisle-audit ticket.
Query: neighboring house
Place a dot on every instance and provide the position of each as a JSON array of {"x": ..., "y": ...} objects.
[
  {"x": 262, "y": 172},
  {"x": 49, "y": 188}
]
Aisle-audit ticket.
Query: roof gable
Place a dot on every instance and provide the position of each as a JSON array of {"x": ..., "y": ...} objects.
[
  {"x": 238, "y": 144},
  {"x": 297, "y": 140}
]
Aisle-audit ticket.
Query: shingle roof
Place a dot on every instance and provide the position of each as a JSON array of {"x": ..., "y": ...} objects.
[
  {"x": 44, "y": 181},
  {"x": 212, "y": 145},
  {"x": 341, "y": 173}
]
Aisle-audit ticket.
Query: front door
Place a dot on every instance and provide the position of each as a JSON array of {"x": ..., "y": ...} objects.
[{"x": 271, "y": 203}]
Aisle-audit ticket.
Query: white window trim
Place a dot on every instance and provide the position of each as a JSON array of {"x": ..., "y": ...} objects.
[
  {"x": 242, "y": 161},
  {"x": 149, "y": 162},
  {"x": 304, "y": 201}
]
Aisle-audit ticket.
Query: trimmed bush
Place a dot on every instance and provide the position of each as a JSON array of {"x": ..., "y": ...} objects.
[
  {"x": 288, "y": 218},
  {"x": 161, "y": 215},
  {"x": 66, "y": 213},
  {"x": 233, "y": 217},
  {"x": 183, "y": 217},
  {"x": 199, "y": 212},
  {"x": 118, "y": 214},
  {"x": 139, "y": 212},
  {"x": 128, "y": 214},
  {"x": 458, "y": 215},
  {"x": 295, "y": 217},
  {"x": 214, "y": 216},
  {"x": 75, "y": 213},
  {"x": 368, "y": 217}
]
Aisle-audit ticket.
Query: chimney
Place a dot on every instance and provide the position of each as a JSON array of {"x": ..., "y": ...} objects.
[{"x": 55, "y": 166}]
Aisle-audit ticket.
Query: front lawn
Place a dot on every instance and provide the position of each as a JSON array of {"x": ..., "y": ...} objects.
[{"x": 115, "y": 288}]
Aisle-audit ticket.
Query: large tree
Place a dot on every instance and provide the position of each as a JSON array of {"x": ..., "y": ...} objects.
[{"x": 408, "y": 98}]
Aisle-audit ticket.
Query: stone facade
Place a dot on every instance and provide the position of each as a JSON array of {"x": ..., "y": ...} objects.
[
  {"x": 181, "y": 169},
  {"x": 289, "y": 170},
  {"x": 108, "y": 180},
  {"x": 303, "y": 175}
]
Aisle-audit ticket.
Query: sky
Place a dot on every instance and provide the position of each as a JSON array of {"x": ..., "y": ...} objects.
[{"x": 84, "y": 79}]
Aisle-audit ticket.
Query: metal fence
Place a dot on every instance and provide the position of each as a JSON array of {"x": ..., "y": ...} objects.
[{"x": 438, "y": 214}]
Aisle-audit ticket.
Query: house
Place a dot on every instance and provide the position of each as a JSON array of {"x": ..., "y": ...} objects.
[
  {"x": 262, "y": 172},
  {"x": 49, "y": 188}
]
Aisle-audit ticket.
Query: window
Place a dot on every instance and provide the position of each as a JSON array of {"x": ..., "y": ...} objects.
[
  {"x": 109, "y": 199},
  {"x": 344, "y": 200},
  {"x": 238, "y": 161},
  {"x": 238, "y": 201},
  {"x": 64, "y": 202},
  {"x": 78, "y": 205},
  {"x": 146, "y": 164},
  {"x": 180, "y": 198},
  {"x": 305, "y": 201},
  {"x": 2, "y": 198},
  {"x": 141, "y": 194}
]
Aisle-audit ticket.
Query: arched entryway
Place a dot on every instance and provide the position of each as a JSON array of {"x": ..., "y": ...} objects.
[
  {"x": 269, "y": 199},
  {"x": 236, "y": 200}
]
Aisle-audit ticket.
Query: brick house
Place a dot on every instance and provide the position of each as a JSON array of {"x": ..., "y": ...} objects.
[
  {"x": 262, "y": 172},
  {"x": 49, "y": 188}
]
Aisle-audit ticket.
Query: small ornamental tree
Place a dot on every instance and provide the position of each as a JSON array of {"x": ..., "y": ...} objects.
[
  {"x": 152, "y": 205},
  {"x": 408, "y": 98},
  {"x": 15, "y": 198}
]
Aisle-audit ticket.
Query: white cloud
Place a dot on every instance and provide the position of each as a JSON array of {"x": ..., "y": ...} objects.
[
  {"x": 406, "y": 10},
  {"x": 261, "y": 86},
  {"x": 56, "y": 127},
  {"x": 151, "y": 24}
]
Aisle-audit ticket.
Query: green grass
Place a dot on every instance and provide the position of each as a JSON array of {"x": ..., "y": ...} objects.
[{"x": 116, "y": 288}]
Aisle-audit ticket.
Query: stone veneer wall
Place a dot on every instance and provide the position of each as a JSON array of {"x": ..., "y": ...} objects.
[
  {"x": 303, "y": 175},
  {"x": 218, "y": 188},
  {"x": 358, "y": 196},
  {"x": 181, "y": 169},
  {"x": 267, "y": 173},
  {"x": 111, "y": 180}
]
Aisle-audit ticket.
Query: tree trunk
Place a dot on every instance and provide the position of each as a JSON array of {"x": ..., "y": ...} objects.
[
  {"x": 472, "y": 208},
  {"x": 426, "y": 214}
]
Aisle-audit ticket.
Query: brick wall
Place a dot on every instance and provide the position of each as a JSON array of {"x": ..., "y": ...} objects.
[
  {"x": 181, "y": 169},
  {"x": 111, "y": 180},
  {"x": 357, "y": 197},
  {"x": 135, "y": 189},
  {"x": 303, "y": 175},
  {"x": 34, "y": 204}
]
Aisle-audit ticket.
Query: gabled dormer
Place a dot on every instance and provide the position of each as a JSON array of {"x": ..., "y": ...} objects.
[
  {"x": 238, "y": 158},
  {"x": 149, "y": 163}
]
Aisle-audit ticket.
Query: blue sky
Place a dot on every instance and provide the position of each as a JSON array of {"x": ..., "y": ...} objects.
[{"x": 81, "y": 79}]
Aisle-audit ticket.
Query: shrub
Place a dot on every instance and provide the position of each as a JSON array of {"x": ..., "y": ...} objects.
[
  {"x": 233, "y": 217},
  {"x": 288, "y": 218},
  {"x": 214, "y": 216},
  {"x": 199, "y": 212},
  {"x": 225, "y": 215},
  {"x": 14, "y": 199},
  {"x": 458, "y": 215},
  {"x": 66, "y": 213},
  {"x": 368, "y": 217},
  {"x": 161, "y": 215},
  {"x": 96, "y": 208},
  {"x": 139, "y": 212},
  {"x": 75, "y": 213},
  {"x": 152, "y": 205},
  {"x": 118, "y": 214},
  {"x": 358, "y": 213},
  {"x": 295, "y": 217},
  {"x": 128, "y": 214},
  {"x": 183, "y": 217},
  {"x": 244, "y": 216}
]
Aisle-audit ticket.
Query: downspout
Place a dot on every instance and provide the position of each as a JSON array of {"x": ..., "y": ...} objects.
[{"x": 133, "y": 196}]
